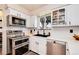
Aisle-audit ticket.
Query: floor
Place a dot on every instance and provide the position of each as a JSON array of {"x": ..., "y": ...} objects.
[
  {"x": 30, "y": 53},
  {"x": 27, "y": 53}
]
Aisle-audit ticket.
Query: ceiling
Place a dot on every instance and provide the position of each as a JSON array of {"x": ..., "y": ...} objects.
[{"x": 32, "y": 7}]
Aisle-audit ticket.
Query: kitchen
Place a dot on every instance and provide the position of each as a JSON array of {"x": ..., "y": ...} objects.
[{"x": 39, "y": 29}]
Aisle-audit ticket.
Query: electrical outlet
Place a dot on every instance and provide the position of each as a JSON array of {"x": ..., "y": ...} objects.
[{"x": 71, "y": 30}]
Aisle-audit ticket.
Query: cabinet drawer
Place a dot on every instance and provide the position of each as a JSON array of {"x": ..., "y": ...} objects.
[{"x": 38, "y": 45}]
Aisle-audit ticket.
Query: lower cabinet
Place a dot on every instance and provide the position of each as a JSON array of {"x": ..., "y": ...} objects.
[{"x": 38, "y": 45}]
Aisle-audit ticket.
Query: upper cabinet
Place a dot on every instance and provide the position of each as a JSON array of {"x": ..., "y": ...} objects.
[
  {"x": 33, "y": 21},
  {"x": 58, "y": 17},
  {"x": 11, "y": 11},
  {"x": 27, "y": 21},
  {"x": 72, "y": 14}
]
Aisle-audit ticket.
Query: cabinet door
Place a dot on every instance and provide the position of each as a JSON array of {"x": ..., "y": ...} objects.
[
  {"x": 38, "y": 45},
  {"x": 33, "y": 21},
  {"x": 12, "y": 11},
  {"x": 28, "y": 23},
  {"x": 32, "y": 44},
  {"x": 42, "y": 46},
  {"x": 72, "y": 14}
]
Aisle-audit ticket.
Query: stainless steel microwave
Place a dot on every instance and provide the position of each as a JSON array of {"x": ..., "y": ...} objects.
[{"x": 15, "y": 21}]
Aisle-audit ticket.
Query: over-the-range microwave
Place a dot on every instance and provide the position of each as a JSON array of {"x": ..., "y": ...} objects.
[{"x": 15, "y": 21}]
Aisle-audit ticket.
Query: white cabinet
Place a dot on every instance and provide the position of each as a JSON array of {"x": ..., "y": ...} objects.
[
  {"x": 38, "y": 45},
  {"x": 14, "y": 12},
  {"x": 72, "y": 14},
  {"x": 11, "y": 11},
  {"x": 33, "y": 21},
  {"x": 42, "y": 46},
  {"x": 58, "y": 17},
  {"x": 27, "y": 21},
  {"x": 31, "y": 44}
]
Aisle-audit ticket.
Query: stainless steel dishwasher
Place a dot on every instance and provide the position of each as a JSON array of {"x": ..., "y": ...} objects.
[{"x": 55, "y": 47}]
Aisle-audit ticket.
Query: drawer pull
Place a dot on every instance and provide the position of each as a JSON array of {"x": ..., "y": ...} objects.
[
  {"x": 37, "y": 43},
  {"x": 54, "y": 42}
]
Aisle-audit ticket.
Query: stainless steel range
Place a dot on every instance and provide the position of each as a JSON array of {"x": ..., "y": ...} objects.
[{"x": 18, "y": 43}]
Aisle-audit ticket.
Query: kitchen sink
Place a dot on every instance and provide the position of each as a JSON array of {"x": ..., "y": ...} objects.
[{"x": 41, "y": 35}]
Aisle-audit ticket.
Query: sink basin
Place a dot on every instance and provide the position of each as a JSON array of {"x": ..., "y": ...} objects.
[{"x": 41, "y": 35}]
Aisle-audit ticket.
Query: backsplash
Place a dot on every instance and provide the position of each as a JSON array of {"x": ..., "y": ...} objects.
[{"x": 64, "y": 32}]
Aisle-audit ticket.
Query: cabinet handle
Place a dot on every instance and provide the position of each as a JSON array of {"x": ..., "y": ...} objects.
[
  {"x": 37, "y": 43},
  {"x": 54, "y": 42},
  {"x": 67, "y": 49}
]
